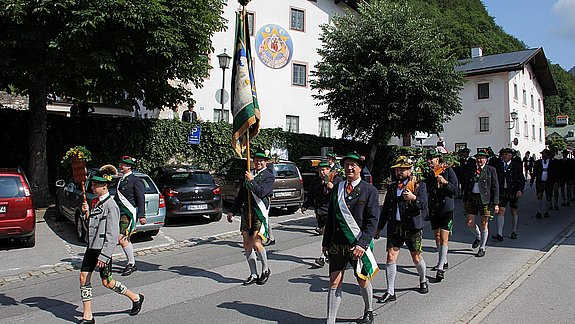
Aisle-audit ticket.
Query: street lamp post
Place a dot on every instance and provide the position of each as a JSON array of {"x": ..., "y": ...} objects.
[{"x": 224, "y": 60}]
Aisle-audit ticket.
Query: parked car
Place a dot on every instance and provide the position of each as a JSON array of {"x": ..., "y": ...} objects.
[
  {"x": 69, "y": 204},
  {"x": 17, "y": 214},
  {"x": 308, "y": 168},
  {"x": 288, "y": 185},
  {"x": 189, "y": 192}
]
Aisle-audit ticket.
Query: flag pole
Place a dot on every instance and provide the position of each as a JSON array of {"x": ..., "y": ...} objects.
[{"x": 249, "y": 190}]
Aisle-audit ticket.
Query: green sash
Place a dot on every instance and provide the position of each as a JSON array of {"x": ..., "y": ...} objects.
[
  {"x": 126, "y": 208},
  {"x": 366, "y": 266},
  {"x": 262, "y": 213}
]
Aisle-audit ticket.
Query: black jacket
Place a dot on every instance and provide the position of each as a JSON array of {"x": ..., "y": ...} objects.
[
  {"x": 461, "y": 169},
  {"x": 411, "y": 214},
  {"x": 488, "y": 185},
  {"x": 262, "y": 186},
  {"x": 440, "y": 199},
  {"x": 552, "y": 171},
  {"x": 133, "y": 189},
  {"x": 319, "y": 195},
  {"x": 364, "y": 207},
  {"x": 187, "y": 117},
  {"x": 514, "y": 177}
]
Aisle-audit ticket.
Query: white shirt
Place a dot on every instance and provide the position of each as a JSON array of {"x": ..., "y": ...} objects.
[
  {"x": 544, "y": 174},
  {"x": 505, "y": 167},
  {"x": 104, "y": 196},
  {"x": 126, "y": 174},
  {"x": 476, "y": 184},
  {"x": 354, "y": 183}
]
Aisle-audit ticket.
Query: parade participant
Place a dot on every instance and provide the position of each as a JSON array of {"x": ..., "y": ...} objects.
[
  {"x": 571, "y": 179},
  {"x": 465, "y": 162},
  {"x": 190, "y": 116},
  {"x": 351, "y": 223},
  {"x": 130, "y": 197},
  {"x": 564, "y": 174},
  {"x": 511, "y": 186},
  {"x": 442, "y": 187},
  {"x": 404, "y": 208},
  {"x": 103, "y": 230},
  {"x": 481, "y": 190},
  {"x": 528, "y": 164},
  {"x": 319, "y": 195},
  {"x": 259, "y": 186},
  {"x": 543, "y": 178},
  {"x": 333, "y": 164}
]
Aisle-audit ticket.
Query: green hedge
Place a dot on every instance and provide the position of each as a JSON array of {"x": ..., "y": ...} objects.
[{"x": 155, "y": 142}]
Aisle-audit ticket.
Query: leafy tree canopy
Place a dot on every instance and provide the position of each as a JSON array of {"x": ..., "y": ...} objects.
[
  {"x": 564, "y": 101},
  {"x": 386, "y": 72}
]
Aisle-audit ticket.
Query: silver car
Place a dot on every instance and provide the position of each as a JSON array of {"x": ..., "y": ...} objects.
[{"x": 69, "y": 203}]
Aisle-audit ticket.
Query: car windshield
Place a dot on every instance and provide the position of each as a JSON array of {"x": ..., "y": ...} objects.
[
  {"x": 287, "y": 170},
  {"x": 189, "y": 179},
  {"x": 11, "y": 187}
]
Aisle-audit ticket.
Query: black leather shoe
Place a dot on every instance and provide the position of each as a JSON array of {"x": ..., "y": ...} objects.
[
  {"x": 440, "y": 275},
  {"x": 563, "y": 205},
  {"x": 568, "y": 203},
  {"x": 264, "y": 277},
  {"x": 137, "y": 306},
  {"x": 546, "y": 215},
  {"x": 367, "y": 318},
  {"x": 497, "y": 237},
  {"x": 513, "y": 235},
  {"x": 480, "y": 253},
  {"x": 85, "y": 321},
  {"x": 476, "y": 243},
  {"x": 387, "y": 297},
  {"x": 538, "y": 215},
  {"x": 251, "y": 280},
  {"x": 436, "y": 267},
  {"x": 423, "y": 288},
  {"x": 129, "y": 269},
  {"x": 556, "y": 207},
  {"x": 270, "y": 242}
]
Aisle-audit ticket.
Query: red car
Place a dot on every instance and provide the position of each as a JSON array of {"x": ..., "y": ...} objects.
[{"x": 17, "y": 214}]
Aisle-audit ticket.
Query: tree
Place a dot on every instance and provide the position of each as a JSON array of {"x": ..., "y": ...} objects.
[
  {"x": 111, "y": 49},
  {"x": 386, "y": 72},
  {"x": 564, "y": 102}
]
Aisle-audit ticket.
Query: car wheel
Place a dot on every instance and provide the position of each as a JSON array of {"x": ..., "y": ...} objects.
[
  {"x": 30, "y": 241},
  {"x": 80, "y": 230},
  {"x": 216, "y": 217},
  {"x": 292, "y": 209},
  {"x": 153, "y": 233}
]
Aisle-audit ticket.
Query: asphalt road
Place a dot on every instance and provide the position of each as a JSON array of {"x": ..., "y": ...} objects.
[{"x": 518, "y": 281}]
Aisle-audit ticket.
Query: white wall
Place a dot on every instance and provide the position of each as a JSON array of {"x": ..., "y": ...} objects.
[{"x": 277, "y": 97}]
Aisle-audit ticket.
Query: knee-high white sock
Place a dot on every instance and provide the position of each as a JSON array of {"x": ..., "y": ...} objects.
[
  {"x": 390, "y": 270},
  {"x": 367, "y": 295},
  {"x": 475, "y": 231},
  {"x": 263, "y": 259},
  {"x": 333, "y": 302},
  {"x": 129, "y": 251},
  {"x": 421, "y": 270},
  {"x": 484, "y": 236},
  {"x": 500, "y": 224},
  {"x": 251, "y": 257},
  {"x": 442, "y": 256},
  {"x": 514, "y": 221}
]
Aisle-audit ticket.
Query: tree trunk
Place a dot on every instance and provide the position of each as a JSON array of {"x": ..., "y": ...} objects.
[
  {"x": 38, "y": 163},
  {"x": 375, "y": 140}
]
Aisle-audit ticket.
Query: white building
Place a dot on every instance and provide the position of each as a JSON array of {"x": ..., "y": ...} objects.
[
  {"x": 284, "y": 92},
  {"x": 502, "y": 102}
]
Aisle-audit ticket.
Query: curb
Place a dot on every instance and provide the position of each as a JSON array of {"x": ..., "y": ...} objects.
[{"x": 77, "y": 262}]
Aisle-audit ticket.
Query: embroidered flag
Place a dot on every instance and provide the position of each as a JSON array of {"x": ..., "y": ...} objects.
[
  {"x": 366, "y": 266},
  {"x": 245, "y": 107}
]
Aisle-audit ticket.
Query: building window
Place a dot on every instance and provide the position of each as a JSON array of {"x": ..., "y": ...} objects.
[
  {"x": 218, "y": 115},
  {"x": 484, "y": 124},
  {"x": 297, "y": 21},
  {"x": 533, "y": 132},
  {"x": 299, "y": 74},
  {"x": 524, "y": 98},
  {"x": 532, "y": 102},
  {"x": 324, "y": 127},
  {"x": 515, "y": 92},
  {"x": 540, "y": 135},
  {"x": 292, "y": 124},
  {"x": 539, "y": 104},
  {"x": 483, "y": 91},
  {"x": 526, "y": 128},
  {"x": 251, "y": 22},
  {"x": 570, "y": 133}
]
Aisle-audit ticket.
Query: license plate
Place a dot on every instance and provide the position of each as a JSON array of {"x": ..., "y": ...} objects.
[
  {"x": 282, "y": 194},
  {"x": 197, "y": 207},
  {"x": 2, "y": 209}
]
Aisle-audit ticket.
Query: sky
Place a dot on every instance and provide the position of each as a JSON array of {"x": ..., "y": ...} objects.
[{"x": 539, "y": 23}]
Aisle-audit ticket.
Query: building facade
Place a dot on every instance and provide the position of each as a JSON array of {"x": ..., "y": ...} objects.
[
  {"x": 284, "y": 38},
  {"x": 502, "y": 102}
]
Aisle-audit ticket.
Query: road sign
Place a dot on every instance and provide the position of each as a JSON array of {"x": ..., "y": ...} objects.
[
  {"x": 226, "y": 96},
  {"x": 194, "y": 135}
]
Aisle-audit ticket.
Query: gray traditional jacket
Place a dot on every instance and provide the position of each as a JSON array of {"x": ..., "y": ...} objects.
[{"x": 104, "y": 227}]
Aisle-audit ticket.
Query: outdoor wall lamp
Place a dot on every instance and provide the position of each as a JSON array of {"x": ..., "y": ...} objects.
[
  {"x": 514, "y": 118},
  {"x": 224, "y": 60}
]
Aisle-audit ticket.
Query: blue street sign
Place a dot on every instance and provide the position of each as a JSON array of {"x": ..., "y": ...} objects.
[{"x": 194, "y": 136}]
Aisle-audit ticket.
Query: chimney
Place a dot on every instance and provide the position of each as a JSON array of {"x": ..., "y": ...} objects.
[{"x": 476, "y": 52}]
